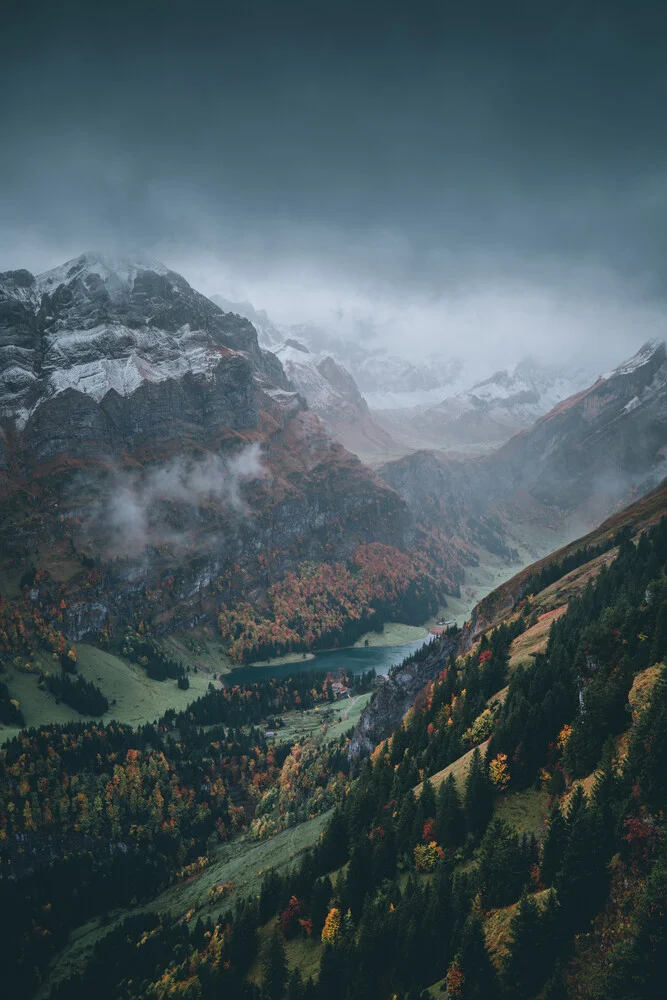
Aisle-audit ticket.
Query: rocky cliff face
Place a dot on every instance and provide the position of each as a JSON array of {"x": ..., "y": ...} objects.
[
  {"x": 333, "y": 393},
  {"x": 140, "y": 422},
  {"x": 395, "y": 696}
]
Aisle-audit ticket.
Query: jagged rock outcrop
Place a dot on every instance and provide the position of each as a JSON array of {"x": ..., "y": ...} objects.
[
  {"x": 395, "y": 695},
  {"x": 333, "y": 393}
]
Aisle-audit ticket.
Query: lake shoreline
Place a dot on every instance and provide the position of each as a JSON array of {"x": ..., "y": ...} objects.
[{"x": 393, "y": 634}]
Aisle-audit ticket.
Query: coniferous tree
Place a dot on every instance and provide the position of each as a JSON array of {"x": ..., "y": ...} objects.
[
  {"x": 478, "y": 797},
  {"x": 581, "y": 880},
  {"x": 606, "y": 795},
  {"x": 450, "y": 819},
  {"x": 405, "y": 823},
  {"x": 659, "y": 643},
  {"x": 295, "y": 986},
  {"x": 274, "y": 969},
  {"x": 481, "y": 982},
  {"x": 553, "y": 847},
  {"x": 425, "y": 806},
  {"x": 524, "y": 968},
  {"x": 647, "y": 756},
  {"x": 505, "y": 864}
]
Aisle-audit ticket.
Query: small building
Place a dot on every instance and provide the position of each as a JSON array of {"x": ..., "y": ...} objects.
[{"x": 340, "y": 689}]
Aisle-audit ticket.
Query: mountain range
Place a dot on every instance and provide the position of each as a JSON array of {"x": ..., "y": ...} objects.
[
  {"x": 143, "y": 424},
  {"x": 175, "y": 502}
]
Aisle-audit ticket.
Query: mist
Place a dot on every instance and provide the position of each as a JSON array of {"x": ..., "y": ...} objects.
[{"x": 136, "y": 514}]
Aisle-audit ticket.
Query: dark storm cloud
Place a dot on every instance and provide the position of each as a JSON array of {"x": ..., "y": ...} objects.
[{"x": 403, "y": 151}]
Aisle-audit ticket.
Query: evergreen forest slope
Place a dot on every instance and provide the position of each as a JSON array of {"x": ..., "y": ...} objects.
[{"x": 506, "y": 839}]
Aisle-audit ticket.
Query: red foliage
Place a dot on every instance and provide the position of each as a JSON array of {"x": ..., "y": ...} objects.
[
  {"x": 642, "y": 837},
  {"x": 290, "y": 917},
  {"x": 428, "y": 833}
]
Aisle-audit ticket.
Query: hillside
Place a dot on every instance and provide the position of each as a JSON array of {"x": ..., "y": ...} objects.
[
  {"x": 155, "y": 462},
  {"x": 505, "y": 836},
  {"x": 589, "y": 456}
]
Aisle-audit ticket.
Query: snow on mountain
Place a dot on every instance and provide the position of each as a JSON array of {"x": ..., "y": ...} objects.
[
  {"x": 97, "y": 324},
  {"x": 597, "y": 444},
  {"x": 117, "y": 274},
  {"x": 490, "y": 411},
  {"x": 386, "y": 380},
  {"x": 333, "y": 393},
  {"x": 644, "y": 356}
]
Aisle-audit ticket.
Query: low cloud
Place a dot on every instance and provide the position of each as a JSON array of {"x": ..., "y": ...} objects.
[{"x": 139, "y": 511}]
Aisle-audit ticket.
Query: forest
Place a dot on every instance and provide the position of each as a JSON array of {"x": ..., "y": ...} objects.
[
  {"x": 332, "y": 604},
  {"x": 408, "y": 867}
]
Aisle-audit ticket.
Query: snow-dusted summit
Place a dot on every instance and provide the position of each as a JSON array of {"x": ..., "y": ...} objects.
[
  {"x": 98, "y": 324},
  {"x": 492, "y": 410},
  {"x": 333, "y": 393}
]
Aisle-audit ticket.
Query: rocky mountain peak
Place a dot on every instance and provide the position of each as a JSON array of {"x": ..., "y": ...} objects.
[
  {"x": 97, "y": 324},
  {"x": 652, "y": 354},
  {"x": 296, "y": 345}
]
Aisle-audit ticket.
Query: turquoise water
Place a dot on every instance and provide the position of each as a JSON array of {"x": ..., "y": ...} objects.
[{"x": 355, "y": 660}]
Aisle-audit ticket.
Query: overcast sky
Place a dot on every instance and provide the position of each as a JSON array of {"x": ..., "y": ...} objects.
[{"x": 479, "y": 178}]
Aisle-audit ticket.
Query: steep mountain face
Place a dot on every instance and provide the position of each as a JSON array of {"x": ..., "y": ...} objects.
[
  {"x": 82, "y": 338},
  {"x": 141, "y": 422},
  {"x": 491, "y": 411},
  {"x": 573, "y": 467},
  {"x": 396, "y": 694},
  {"x": 269, "y": 334},
  {"x": 595, "y": 447},
  {"x": 332, "y": 392}
]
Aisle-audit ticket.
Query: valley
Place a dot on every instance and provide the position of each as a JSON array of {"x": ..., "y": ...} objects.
[{"x": 268, "y": 711}]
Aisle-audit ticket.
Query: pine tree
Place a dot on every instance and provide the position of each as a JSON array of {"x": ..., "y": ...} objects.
[
  {"x": 274, "y": 969},
  {"x": 659, "y": 644},
  {"x": 478, "y": 797},
  {"x": 607, "y": 794},
  {"x": 450, "y": 819},
  {"x": 647, "y": 756},
  {"x": 295, "y": 987},
  {"x": 426, "y": 804},
  {"x": 405, "y": 823},
  {"x": 581, "y": 880},
  {"x": 553, "y": 847},
  {"x": 524, "y": 971},
  {"x": 480, "y": 977}
]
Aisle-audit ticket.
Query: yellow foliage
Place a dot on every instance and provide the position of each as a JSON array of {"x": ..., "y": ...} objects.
[
  {"x": 480, "y": 729},
  {"x": 427, "y": 856},
  {"x": 331, "y": 932},
  {"x": 564, "y": 736},
  {"x": 499, "y": 771}
]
